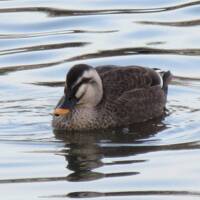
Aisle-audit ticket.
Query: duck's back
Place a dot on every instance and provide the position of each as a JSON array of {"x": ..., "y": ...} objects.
[
  {"x": 118, "y": 80},
  {"x": 132, "y": 94}
]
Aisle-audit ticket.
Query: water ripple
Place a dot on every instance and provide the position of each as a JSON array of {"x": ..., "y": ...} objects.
[
  {"x": 53, "y": 12},
  {"x": 176, "y": 24},
  {"x": 136, "y": 51},
  {"x": 43, "y": 47},
  {"x": 90, "y": 194},
  {"x": 51, "y": 33},
  {"x": 101, "y": 54},
  {"x": 39, "y": 42}
]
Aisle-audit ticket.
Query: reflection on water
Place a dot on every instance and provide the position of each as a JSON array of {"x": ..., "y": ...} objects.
[
  {"x": 39, "y": 42},
  {"x": 85, "y": 151}
]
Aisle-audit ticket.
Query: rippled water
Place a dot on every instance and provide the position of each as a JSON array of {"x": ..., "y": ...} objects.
[{"x": 39, "y": 42}]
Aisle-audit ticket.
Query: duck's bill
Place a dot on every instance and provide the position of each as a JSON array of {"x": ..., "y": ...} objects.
[{"x": 61, "y": 111}]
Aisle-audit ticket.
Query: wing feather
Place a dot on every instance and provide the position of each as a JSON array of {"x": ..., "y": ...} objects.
[
  {"x": 117, "y": 80},
  {"x": 142, "y": 103}
]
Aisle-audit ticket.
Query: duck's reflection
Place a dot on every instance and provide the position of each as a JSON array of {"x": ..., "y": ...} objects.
[{"x": 85, "y": 151}]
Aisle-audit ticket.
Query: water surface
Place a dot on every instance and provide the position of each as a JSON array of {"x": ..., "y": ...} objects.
[{"x": 39, "y": 42}]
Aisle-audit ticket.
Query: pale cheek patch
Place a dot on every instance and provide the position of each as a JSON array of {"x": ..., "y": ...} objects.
[{"x": 81, "y": 90}]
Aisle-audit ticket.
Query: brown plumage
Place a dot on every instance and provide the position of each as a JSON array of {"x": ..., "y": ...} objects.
[{"x": 111, "y": 96}]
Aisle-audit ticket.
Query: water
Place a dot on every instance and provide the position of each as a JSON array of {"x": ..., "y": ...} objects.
[{"x": 39, "y": 42}]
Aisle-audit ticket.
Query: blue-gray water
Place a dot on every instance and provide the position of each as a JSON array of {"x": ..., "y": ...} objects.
[{"x": 39, "y": 41}]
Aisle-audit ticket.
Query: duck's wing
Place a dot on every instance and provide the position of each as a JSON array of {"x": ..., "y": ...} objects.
[
  {"x": 105, "y": 68},
  {"x": 118, "y": 80},
  {"x": 139, "y": 105}
]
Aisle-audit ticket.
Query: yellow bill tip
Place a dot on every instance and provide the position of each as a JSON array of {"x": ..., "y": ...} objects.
[{"x": 61, "y": 111}]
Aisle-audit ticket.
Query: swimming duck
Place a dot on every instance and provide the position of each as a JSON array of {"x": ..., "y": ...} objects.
[{"x": 110, "y": 96}]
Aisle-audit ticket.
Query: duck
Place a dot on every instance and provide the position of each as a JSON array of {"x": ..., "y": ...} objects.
[{"x": 110, "y": 96}]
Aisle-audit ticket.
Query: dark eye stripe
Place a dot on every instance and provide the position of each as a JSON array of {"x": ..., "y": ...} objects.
[
  {"x": 76, "y": 87},
  {"x": 76, "y": 72},
  {"x": 84, "y": 80}
]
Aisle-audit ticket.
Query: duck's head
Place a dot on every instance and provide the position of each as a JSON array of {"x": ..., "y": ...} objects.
[{"x": 83, "y": 88}]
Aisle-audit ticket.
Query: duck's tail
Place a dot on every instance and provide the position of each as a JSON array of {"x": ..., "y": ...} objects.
[{"x": 166, "y": 77}]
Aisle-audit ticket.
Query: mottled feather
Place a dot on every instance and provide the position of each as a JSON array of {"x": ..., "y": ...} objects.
[
  {"x": 131, "y": 94},
  {"x": 118, "y": 80}
]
